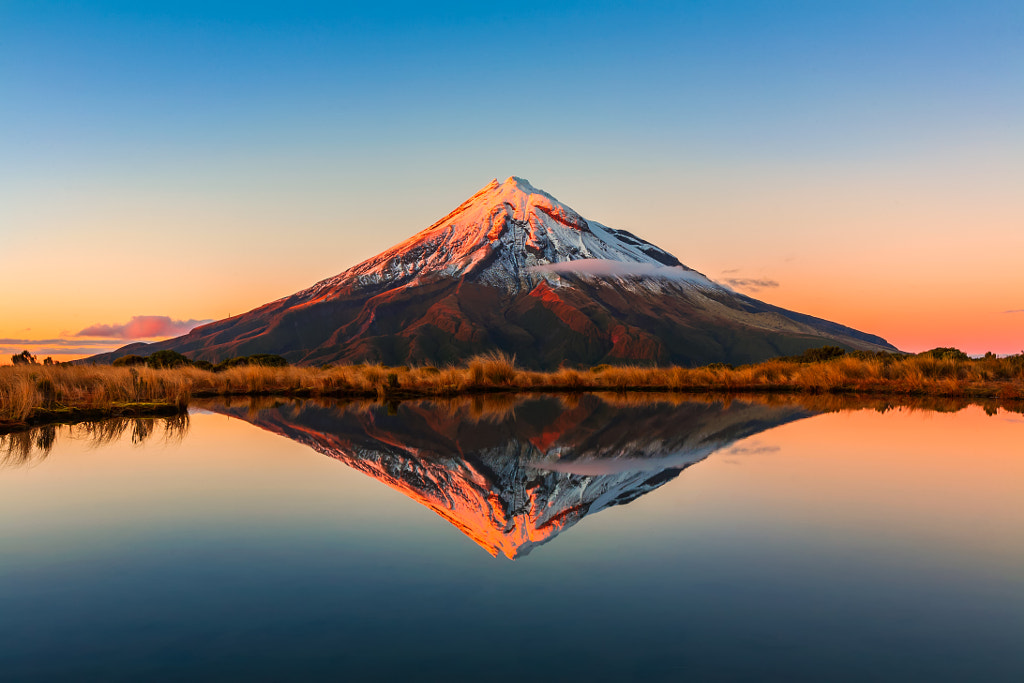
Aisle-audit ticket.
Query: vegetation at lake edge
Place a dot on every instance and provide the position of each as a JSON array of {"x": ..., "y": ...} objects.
[
  {"x": 33, "y": 444},
  {"x": 31, "y": 393},
  {"x": 173, "y": 359}
]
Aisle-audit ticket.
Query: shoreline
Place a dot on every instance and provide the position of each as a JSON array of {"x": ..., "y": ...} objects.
[
  {"x": 827, "y": 401},
  {"x": 71, "y": 415},
  {"x": 35, "y": 395}
]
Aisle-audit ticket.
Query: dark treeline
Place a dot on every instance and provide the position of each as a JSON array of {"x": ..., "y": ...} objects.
[{"x": 173, "y": 359}]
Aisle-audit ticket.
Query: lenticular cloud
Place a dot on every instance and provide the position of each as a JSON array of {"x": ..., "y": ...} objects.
[
  {"x": 143, "y": 327},
  {"x": 608, "y": 268}
]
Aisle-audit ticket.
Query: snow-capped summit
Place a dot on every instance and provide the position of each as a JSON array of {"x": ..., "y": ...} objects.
[
  {"x": 514, "y": 269},
  {"x": 501, "y": 236}
]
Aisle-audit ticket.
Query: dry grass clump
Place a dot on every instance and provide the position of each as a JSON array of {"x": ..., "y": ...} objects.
[
  {"x": 491, "y": 369},
  {"x": 27, "y": 390}
]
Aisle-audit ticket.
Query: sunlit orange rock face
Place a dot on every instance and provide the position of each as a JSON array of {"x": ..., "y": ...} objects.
[
  {"x": 511, "y": 475},
  {"x": 481, "y": 279}
]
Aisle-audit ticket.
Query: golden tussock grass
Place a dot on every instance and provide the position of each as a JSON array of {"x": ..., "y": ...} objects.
[
  {"x": 27, "y": 391},
  {"x": 39, "y": 393}
]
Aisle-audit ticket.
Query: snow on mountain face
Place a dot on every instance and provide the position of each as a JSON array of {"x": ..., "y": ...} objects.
[{"x": 511, "y": 235}]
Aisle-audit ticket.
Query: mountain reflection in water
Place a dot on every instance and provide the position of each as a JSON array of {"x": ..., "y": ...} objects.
[
  {"x": 865, "y": 543},
  {"x": 512, "y": 473}
]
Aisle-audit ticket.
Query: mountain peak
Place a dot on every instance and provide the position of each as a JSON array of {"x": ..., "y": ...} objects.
[
  {"x": 513, "y": 268},
  {"x": 523, "y": 185},
  {"x": 518, "y": 193},
  {"x": 521, "y": 182},
  {"x": 498, "y": 237}
]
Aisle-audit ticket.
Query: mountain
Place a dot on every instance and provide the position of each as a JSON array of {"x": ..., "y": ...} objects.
[
  {"x": 514, "y": 475},
  {"x": 514, "y": 269}
]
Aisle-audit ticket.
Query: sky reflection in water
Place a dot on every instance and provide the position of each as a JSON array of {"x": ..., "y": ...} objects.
[{"x": 746, "y": 540}]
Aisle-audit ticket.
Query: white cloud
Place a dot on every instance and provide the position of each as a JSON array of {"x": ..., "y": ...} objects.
[
  {"x": 143, "y": 327},
  {"x": 607, "y": 268}
]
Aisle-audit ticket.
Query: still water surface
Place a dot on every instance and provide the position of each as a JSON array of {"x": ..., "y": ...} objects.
[{"x": 517, "y": 540}]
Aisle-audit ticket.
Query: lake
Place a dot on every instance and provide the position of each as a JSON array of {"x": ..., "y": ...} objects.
[{"x": 593, "y": 537}]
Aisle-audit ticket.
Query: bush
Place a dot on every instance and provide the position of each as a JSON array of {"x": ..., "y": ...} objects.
[
  {"x": 128, "y": 361},
  {"x": 167, "y": 359},
  {"x": 820, "y": 355},
  {"x": 884, "y": 357},
  {"x": 945, "y": 353},
  {"x": 23, "y": 358},
  {"x": 269, "y": 360}
]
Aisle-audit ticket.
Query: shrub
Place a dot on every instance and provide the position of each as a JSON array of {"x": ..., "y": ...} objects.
[
  {"x": 23, "y": 358},
  {"x": 270, "y": 360},
  {"x": 885, "y": 357},
  {"x": 818, "y": 355},
  {"x": 128, "y": 361},
  {"x": 167, "y": 359},
  {"x": 945, "y": 353}
]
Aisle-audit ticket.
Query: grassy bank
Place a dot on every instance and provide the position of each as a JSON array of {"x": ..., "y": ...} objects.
[{"x": 36, "y": 394}]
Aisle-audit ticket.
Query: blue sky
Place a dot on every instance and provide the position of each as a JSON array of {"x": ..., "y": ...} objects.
[
  {"x": 272, "y": 144},
  {"x": 746, "y": 79}
]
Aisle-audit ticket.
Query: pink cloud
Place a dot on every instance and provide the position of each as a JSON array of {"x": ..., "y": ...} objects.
[{"x": 143, "y": 327}]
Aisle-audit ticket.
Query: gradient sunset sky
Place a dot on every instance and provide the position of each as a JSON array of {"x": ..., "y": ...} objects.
[{"x": 168, "y": 163}]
